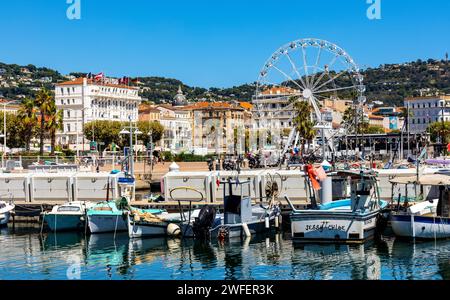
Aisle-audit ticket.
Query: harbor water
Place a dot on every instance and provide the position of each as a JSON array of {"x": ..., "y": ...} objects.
[{"x": 26, "y": 254}]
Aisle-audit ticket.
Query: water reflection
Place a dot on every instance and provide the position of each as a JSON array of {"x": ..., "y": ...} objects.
[
  {"x": 105, "y": 256},
  {"x": 338, "y": 261},
  {"x": 420, "y": 259}
]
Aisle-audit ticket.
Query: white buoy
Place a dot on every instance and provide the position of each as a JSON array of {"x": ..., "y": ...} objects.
[
  {"x": 276, "y": 222},
  {"x": 267, "y": 223},
  {"x": 174, "y": 167},
  {"x": 246, "y": 230},
  {"x": 173, "y": 229}
]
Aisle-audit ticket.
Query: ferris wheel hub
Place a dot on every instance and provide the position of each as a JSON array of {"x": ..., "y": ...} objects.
[{"x": 307, "y": 93}]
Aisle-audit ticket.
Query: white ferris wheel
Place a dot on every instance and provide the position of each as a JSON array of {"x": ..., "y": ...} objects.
[{"x": 310, "y": 70}]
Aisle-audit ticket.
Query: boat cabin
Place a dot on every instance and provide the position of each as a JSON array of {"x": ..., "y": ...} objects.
[
  {"x": 237, "y": 201},
  {"x": 364, "y": 194}
]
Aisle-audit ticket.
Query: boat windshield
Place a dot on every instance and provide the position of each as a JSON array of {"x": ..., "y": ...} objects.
[
  {"x": 68, "y": 209},
  {"x": 2, "y": 205}
]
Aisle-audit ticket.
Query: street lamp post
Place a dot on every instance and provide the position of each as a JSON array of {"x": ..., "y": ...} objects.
[
  {"x": 150, "y": 133},
  {"x": 129, "y": 130}
]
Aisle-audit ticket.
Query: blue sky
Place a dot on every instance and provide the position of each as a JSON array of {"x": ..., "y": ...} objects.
[{"x": 213, "y": 43}]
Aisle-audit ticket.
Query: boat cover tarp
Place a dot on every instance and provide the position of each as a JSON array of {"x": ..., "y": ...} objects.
[{"x": 438, "y": 161}]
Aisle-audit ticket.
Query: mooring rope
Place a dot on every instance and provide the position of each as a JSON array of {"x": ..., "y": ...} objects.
[{"x": 115, "y": 229}]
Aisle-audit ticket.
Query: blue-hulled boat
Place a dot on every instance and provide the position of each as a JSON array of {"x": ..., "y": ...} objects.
[
  {"x": 68, "y": 216},
  {"x": 427, "y": 219}
]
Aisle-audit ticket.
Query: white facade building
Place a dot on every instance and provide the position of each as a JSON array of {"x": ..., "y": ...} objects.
[
  {"x": 272, "y": 106},
  {"x": 427, "y": 110},
  {"x": 177, "y": 136},
  {"x": 84, "y": 100}
]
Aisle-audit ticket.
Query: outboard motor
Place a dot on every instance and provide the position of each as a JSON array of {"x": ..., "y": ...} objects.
[
  {"x": 204, "y": 222},
  {"x": 210, "y": 163}
]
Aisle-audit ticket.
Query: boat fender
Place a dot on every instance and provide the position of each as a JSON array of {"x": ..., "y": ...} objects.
[
  {"x": 246, "y": 230},
  {"x": 173, "y": 229},
  {"x": 267, "y": 223},
  {"x": 276, "y": 222},
  {"x": 222, "y": 233}
]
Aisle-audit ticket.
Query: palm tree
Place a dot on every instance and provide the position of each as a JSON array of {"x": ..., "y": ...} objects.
[
  {"x": 27, "y": 113},
  {"x": 302, "y": 121},
  {"x": 355, "y": 123},
  {"x": 43, "y": 101},
  {"x": 54, "y": 123}
]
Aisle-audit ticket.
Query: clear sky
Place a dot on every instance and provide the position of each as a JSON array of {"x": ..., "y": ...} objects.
[{"x": 213, "y": 43}]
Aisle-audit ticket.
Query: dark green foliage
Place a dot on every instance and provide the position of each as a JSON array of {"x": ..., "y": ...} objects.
[{"x": 388, "y": 83}]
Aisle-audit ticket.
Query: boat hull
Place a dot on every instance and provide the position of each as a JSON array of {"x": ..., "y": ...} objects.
[
  {"x": 145, "y": 229},
  {"x": 237, "y": 230},
  {"x": 420, "y": 227},
  {"x": 332, "y": 227},
  {"x": 61, "y": 222},
  {"x": 106, "y": 223}
]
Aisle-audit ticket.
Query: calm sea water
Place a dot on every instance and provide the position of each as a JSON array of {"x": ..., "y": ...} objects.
[{"x": 27, "y": 255}]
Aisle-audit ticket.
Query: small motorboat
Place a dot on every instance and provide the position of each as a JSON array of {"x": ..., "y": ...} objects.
[
  {"x": 111, "y": 216},
  {"x": 146, "y": 224},
  {"x": 5, "y": 212},
  {"x": 68, "y": 216},
  {"x": 351, "y": 220},
  {"x": 426, "y": 219},
  {"x": 239, "y": 218}
]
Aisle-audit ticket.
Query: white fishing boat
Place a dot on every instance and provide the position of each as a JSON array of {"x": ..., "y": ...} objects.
[
  {"x": 5, "y": 212},
  {"x": 348, "y": 220},
  {"x": 427, "y": 219},
  {"x": 68, "y": 216}
]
